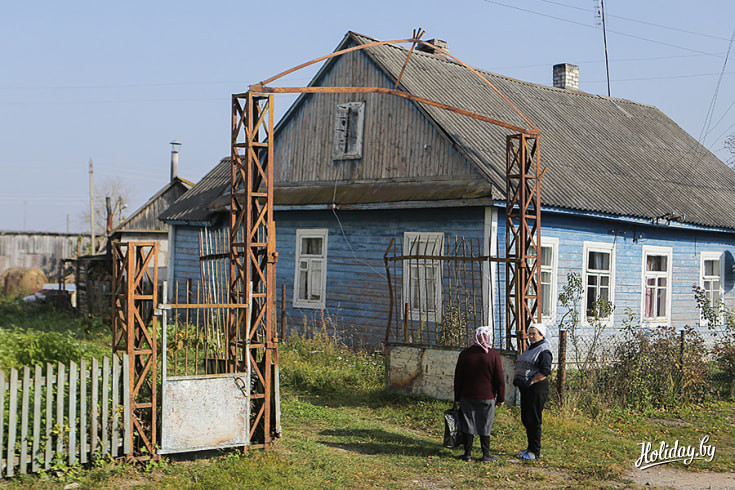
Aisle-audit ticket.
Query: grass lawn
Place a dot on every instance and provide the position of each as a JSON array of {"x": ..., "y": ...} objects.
[{"x": 342, "y": 429}]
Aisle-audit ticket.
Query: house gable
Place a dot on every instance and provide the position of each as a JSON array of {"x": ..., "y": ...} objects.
[
  {"x": 400, "y": 146},
  {"x": 146, "y": 218}
]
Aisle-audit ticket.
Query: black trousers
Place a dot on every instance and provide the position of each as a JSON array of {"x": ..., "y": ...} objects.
[
  {"x": 533, "y": 399},
  {"x": 484, "y": 444}
]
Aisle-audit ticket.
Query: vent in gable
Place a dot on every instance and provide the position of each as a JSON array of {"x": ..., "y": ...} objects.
[{"x": 348, "y": 129}]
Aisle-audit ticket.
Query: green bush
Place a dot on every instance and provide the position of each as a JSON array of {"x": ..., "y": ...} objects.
[{"x": 653, "y": 368}]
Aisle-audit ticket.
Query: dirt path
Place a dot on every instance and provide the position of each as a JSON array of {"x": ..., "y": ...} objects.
[{"x": 667, "y": 477}]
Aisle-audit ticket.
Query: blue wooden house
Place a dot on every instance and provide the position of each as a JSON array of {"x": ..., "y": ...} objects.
[{"x": 630, "y": 202}]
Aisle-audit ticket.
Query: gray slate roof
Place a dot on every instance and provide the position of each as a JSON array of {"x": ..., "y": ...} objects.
[{"x": 603, "y": 154}]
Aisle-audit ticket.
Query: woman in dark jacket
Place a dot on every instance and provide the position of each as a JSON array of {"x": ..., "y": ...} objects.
[
  {"x": 479, "y": 386},
  {"x": 533, "y": 368}
]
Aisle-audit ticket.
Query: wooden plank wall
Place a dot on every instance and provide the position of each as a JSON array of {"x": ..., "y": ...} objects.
[
  {"x": 52, "y": 415},
  {"x": 357, "y": 291},
  {"x": 573, "y": 231},
  {"x": 186, "y": 254},
  {"x": 399, "y": 142},
  {"x": 41, "y": 250},
  {"x": 147, "y": 219}
]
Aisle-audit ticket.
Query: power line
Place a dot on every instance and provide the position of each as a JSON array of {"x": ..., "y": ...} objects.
[
  {"x": 633, "y": 36},
  {"x": 711, "y": 110},
  {"x": 640, "y": 21},
  {"x": 665, "y": 77}
]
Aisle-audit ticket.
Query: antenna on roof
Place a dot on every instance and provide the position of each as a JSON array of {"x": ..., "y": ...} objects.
[{"x": 600, "y": 14}]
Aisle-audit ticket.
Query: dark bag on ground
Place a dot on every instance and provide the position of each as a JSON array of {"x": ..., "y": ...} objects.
[{"x": 453, "y": 435}]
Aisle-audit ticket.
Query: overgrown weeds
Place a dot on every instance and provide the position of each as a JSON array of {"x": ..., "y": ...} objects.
[
  {"x": 321, "y": 366},
  {"x": 37, "y": 334}
]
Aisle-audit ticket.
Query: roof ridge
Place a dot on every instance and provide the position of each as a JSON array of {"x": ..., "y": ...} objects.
[{"x": 485, "y": 71}]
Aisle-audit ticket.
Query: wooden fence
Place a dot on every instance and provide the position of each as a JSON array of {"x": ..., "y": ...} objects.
[{"x": 64, "y": 414}]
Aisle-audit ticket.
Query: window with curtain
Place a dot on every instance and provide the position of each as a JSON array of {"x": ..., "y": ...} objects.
[
  {"x": 598, "y": 279},
  {"x": 657, "y": 283},
  {"x": 549, "y": 247}
]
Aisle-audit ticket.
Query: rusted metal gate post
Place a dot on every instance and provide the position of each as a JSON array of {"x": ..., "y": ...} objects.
[
  {"x": 252, "y": 341},
  {"x": 522, "y": 237},
  {"x": 134, "y": 325}
]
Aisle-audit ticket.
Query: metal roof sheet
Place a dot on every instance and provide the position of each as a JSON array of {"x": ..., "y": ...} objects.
[{"x": 603, "y": 154}]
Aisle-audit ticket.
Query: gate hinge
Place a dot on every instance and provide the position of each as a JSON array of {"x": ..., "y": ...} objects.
[
  {"x": 273, "y": 258},
  {"x": 159, "y": 311}
]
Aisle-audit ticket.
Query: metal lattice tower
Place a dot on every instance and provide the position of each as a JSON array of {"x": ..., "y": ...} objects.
[{"x": 522, "y": 236}]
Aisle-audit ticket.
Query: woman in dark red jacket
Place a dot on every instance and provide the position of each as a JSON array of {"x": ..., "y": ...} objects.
[{"x": 479, "y": 386}]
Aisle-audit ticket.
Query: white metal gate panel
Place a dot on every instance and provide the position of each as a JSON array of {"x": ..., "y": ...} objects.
[
  {"x": 201, "y": 411},
  {"x": 204, "y": 412}
]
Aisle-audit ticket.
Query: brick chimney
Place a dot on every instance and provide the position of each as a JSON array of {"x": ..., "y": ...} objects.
[
  {"x": 566, "y": 76},
  {"x": 433, "y": 42}
]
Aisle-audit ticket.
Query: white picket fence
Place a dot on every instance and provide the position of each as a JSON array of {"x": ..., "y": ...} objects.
[{"x": 63, "y": 414}]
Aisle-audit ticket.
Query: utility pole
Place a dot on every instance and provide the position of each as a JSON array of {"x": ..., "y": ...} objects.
[
  {"x": 108, "y": 205},
  {"x": 91, "y": 205}
]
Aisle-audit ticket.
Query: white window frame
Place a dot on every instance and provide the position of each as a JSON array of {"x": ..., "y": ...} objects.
[
  {"x": 346, "y": 128},
  {"x": 416, "y": 312},
  {"x": 553, "y": 243},
  {"x": 656, "y": 250},
  {"x": 706, "y": 256},
  {"x": 604, "y": 248},
  {"x": 309, "y": 260}
]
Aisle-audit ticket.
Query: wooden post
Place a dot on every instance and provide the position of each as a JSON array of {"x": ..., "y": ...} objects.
[
  {"x": 406, "y": 311},
  {"x": 561, "y": 369},
  {"x": 283, "y": 312},
  {"x": 681, "y": 361}
]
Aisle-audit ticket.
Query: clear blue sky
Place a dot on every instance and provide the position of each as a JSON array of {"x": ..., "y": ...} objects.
[{"x": 117, "y": 81}]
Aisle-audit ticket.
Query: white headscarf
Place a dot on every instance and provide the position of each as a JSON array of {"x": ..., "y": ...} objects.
[
  {"x": 483, "y": 337},
  {"x": 542, "y": 329}
]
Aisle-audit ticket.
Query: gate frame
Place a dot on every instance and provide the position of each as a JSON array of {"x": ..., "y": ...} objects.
[
  {"x": 522, "y": 182},
  {"x": 134, "y": 331},
  {"x": 252, "y": 338}
]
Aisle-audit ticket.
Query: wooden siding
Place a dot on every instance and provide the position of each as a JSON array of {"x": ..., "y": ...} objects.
[
  {"x": 399, "y": 142},
  {"x": 186, "y": 253},
  {"x": 42, "y": 250},
  {"x": 357, "y": 294},
  {"x": 146, "y": 218},
  {"x": 629, "y": 240}
]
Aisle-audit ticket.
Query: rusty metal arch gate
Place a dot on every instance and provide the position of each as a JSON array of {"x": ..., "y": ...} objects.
[
  {"x": 250, "y": 333},
  {"x": 245, "y": 363}
]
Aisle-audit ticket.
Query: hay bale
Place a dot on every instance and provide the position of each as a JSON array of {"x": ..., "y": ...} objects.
[{"x": 20, "y": 281}]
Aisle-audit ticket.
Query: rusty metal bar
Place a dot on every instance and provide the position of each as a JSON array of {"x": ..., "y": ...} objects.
[
  {"x": 523, "y": 222},
  {"x": 252, "y": 333},
  {"x": 397, "y": 93},
  {"x": 193, "y": 306},
  {"x": 416, "y": 35},
  {"x": 135, "y": 296},
  {"x": 415, "y": 40},
  {"x": 390, "y": 294}
]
